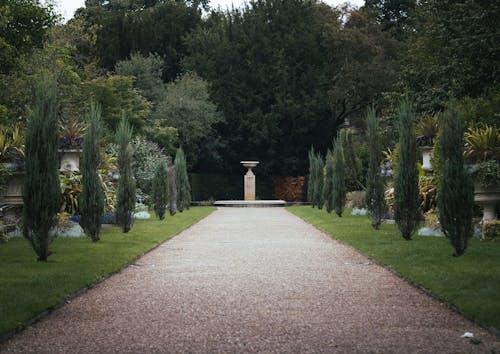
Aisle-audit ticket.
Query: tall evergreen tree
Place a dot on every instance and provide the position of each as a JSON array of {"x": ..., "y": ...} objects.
[
  {"x": 172, "y": 186},
  {"x": 338, "y": 180},
  {"x": 311, "y": 177},
  {"x": 182, "y": 181},
  {"x": 319, "y": 180},
  {"x": 125, "y": 200},
  {"x": 455, "y": 193},
  {"x": 374, "y": 182},
  {"x": 406, "y": 180},
  {"x": 41, "y": 189},
  {"x": 92, "y": 196},
  {"x": 160, "y": 190},
  {"x": 328, "y": 183}
]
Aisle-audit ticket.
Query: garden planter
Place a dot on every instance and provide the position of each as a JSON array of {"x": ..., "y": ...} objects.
[
  {"x": 426, "y": 158},
  {"x": 13, "y": 192},
  {"x": 70, "y": 160},
  {"x": 487, "y": 198}
]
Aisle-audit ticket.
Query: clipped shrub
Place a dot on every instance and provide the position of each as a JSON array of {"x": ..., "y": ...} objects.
[
  {"x": 407, "y": 213},
  {"x": 41, "y": 189},
  {"x": 125, "y": 199},
  {"x": 375, "y": 199},
  {"x": 491, "y": 230},
  {"x": 455, "y": 195},
  {"x": 160, "y": 190},
  {"x": 92, "y": 197},
  {"x": 172, "y": 187},
  {"x": 338, "y": 179},
  {"x": 328, "y": 183},
  {"x": 182, "y": 181}
]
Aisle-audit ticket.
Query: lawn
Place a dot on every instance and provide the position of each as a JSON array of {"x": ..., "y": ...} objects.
[
  {"x": 28, "y": 288},
  {"x": 470, "y": 282}
]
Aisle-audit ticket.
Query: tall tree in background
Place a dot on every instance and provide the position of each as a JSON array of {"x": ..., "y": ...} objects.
[
  {"x": 142, "y": 26},
  {"x": 24, "y": 25},
  {"x": 453, "y": 52},
  {"x": 455, "y": 193},
  {"x": 338, "y": 179},
  {"x": 406, "y": 204},
  {"x": 91, "y": 201},
  {"x": 41, "y": 189},
  {"x": 182, "y": 181},
  {"x": 188, "y": 108},
  {"x": 160, "y": 190},
  {"x": 286, "y": 74},
  {"x": 393, "y": 15},
  {"x": 125, "y": 199},
  {"x": 374, "y": 182}
]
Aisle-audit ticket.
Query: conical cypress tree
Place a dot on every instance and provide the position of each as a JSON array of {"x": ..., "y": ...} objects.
[
  {"x": 125, "y": 200},
  {"x": 406, "y": 179},
  {"x": 318, "y": 181},
  {"x": 311, "y": 178},
  {"x": 91, "y": 201},
  {"x": 182, "y": 181},
  {"x": 328, "y": 184},
  {"x": 41, "y": 189},
  {"x": 455, "y": 193},
  {"x": 374, "y": 183},
  {"x": 160, "y": 190},
  {"x": 338, "y": 179},
  {"x": 172, "y": 186}
]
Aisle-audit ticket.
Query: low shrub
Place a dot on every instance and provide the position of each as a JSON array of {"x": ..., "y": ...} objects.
[{"x": 491, "y": 230}]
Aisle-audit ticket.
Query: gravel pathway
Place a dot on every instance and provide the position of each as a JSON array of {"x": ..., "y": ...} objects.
[{"x": 252, "y": 280}]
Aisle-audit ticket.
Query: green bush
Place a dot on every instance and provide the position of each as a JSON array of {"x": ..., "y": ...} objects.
[
  {"x": 491, "y": 230},
  {"x": 488, "y": 174}
]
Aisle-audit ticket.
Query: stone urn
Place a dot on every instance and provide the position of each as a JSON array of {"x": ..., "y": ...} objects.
[
  {"x": 487, "y": 198},
  {"x": 12, "y": 194},
  {"x": 249, "y": 179},
  {"x": 426, "y": 158},
  {"x": 70, "y": 160}
]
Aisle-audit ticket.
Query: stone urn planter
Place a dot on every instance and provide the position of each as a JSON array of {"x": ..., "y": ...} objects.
[
  {"x": 70, "y": 160},
  {"x": 426, "y": 158},
  {"x": 487, "y": 198},
  {"x": 12, "y": 194}
]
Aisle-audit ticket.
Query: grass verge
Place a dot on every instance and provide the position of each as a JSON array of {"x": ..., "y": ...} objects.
[
  {"x": 471, "y": 282},
  {"x": 29, "y": 288}
]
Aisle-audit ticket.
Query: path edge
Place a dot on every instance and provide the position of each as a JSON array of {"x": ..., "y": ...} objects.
[
  {"x": 492, "y": 330},
  {"x": 4, "y": 338}
]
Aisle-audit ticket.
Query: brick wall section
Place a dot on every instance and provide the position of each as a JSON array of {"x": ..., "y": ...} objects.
[{"x": 290, "y": 189}]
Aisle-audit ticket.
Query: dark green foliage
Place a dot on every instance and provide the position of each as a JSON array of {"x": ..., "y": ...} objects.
[
  {"x": 41, "y": 190},
  {"x": 182, "y": 181},
  {"x": 23, "y": 27},
  {"x": 455, "y": 193},
  {"x": 353, "y": 178},
  {"x": 375, "y": 200},
  {"x": 310, "y": 179},
  {"x": 286, "y": 74},
  {"x": 125, "y": 199},
  {"x": 172, "y": 186},
  {"x": 91, "y": 200},
  {"x": 338, "y": 179},
  {"x": 328, "y": 183},
  {"x": 315, "y": 183},
  {"x": 407, "y": 212},
  {"x": 160, "y": 190}
]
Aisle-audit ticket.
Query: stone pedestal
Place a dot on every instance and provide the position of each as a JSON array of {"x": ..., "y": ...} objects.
[
  {"x": 249, "y": 179},
  {"x": 426, "y": 159},
  {"x": 70, "y": 160}
]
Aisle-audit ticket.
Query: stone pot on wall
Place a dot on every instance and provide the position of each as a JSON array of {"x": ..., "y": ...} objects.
[
  {"x": 70, "y": 160},
  {"x": 487, "y": 198},
  {"x": 426, "y": 158},
  {"x": 12, "y": 193}
]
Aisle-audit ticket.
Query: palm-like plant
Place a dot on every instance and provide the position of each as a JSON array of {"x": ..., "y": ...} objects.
[{"x": 482, "y": 143}]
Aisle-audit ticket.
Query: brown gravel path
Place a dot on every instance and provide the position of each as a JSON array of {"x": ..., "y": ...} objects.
[{"x": 252, "y": 280}]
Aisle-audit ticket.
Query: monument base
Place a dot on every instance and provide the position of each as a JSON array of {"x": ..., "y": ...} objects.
[{"x": 250, "y": 203}]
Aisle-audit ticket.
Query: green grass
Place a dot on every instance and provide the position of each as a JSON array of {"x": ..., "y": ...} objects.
[
  {"x": 470, "y": 282},
  {"x": 28, "y": 288}
]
